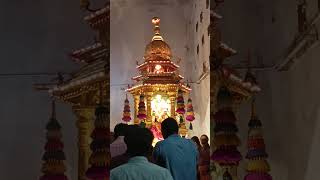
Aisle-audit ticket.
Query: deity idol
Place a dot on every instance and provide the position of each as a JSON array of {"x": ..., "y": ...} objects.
[{"x": 156, "y": 130}]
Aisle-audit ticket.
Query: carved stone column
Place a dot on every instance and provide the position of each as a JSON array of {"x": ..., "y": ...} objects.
[
  {"x": 136, "y": 105},
  {"x": 149, "y": 119},
  {"x": 173, "y": 106},
  {"x": 85, "y": 125}
]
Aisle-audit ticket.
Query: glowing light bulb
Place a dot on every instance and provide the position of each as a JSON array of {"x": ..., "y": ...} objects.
[{"x": 158, "y": 67}]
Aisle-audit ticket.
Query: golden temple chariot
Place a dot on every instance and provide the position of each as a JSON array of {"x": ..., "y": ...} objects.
[{"x": 158, "y": 81}]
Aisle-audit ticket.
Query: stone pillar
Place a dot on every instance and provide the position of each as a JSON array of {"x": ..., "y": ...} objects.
[
  {"x": 149, "y": 118},
  {"x": 136, "y": 105},
  {"x": 85, "y": 125},
  {"x": 173, "y": 106}
]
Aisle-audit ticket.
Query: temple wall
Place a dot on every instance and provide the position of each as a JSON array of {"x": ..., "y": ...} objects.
[
  {"x": 295, "y": 106},
  {"x": 288, "y": 105},
  {"x": 200, "y": 92}
]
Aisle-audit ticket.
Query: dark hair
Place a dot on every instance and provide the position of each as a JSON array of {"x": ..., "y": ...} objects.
[
  {"x": 196, "y": 140},
  {"x": 169, "y": 126},
  {"x": 203, "y": 142},
  {"x": 139, "y": 141},
  {"x": 204, "y": 136},
  {"x": 120, "y": 130}
]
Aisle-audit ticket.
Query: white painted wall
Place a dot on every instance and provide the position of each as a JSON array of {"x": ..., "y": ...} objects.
[
  {"x": 288, "y": 105},
  {"x": 200, "y": 94}
]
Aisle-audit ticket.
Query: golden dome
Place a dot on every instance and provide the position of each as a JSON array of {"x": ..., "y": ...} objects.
[{"x": 157, "y": 47}]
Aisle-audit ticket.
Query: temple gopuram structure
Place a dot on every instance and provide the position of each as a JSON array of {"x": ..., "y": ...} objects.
[
  {"x": 158, "y": 83},
  {"x": 88, "y": 86}
]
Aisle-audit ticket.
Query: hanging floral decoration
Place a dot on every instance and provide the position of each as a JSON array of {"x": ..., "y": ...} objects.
[
  {"x": 225, "y": 132},
  {"x": 190, "y": 113},
  {"x": 257, "y": 167},
  {"x": 53, "y": 167},
  {"x": 180, "y": 103},
  {"x": 142, "y": 109},
  {"x": 126, "y": 111},
  {"x": 100, "y": 158}
]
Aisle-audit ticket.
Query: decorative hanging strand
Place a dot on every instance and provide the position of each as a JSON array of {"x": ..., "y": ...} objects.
[
  {"x": 53, "y": 166},
  {"x": 225, "y": 133},
  {"x": 258, "y": 167}
]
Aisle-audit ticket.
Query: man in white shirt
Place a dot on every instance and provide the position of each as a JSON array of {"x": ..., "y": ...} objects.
[{"x": 118, "y": 146}]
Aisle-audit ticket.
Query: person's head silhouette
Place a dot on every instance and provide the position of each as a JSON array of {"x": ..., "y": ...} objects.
[
  {"x": 168, "y": 127},
  {"x": 204, "y": 140},
  {"x": 139, "y": 141},
  {"x": 120, "y": 130}
]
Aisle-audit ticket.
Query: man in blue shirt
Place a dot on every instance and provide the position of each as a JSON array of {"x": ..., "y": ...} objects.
[
  {"x": 175, "y": 153},
  {"x": 139, "y": 146}
]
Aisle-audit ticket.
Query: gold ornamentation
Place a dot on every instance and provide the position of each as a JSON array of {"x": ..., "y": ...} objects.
[
  {"x": 85, "y": 126},
  {"x": 159, "y": 81},
  {"x": 157, "y": 47}
]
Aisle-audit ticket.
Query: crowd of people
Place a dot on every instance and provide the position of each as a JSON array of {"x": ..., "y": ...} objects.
[{"x": 174, "y": 158}]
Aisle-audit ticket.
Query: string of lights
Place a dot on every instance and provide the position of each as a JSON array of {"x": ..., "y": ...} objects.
[
  {"x": 32, "y": 74},
  {"x": 126, "y": 84},
  {"x": 48, "y": 74}
]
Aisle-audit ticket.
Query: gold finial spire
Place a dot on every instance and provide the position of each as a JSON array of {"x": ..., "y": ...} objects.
[{"x": 156, "y": 22}]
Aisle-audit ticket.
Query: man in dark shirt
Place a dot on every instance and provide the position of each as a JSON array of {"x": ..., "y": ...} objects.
[
  {"x": 139, "y": 143},
  {"x": 175, "y": 153}
]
